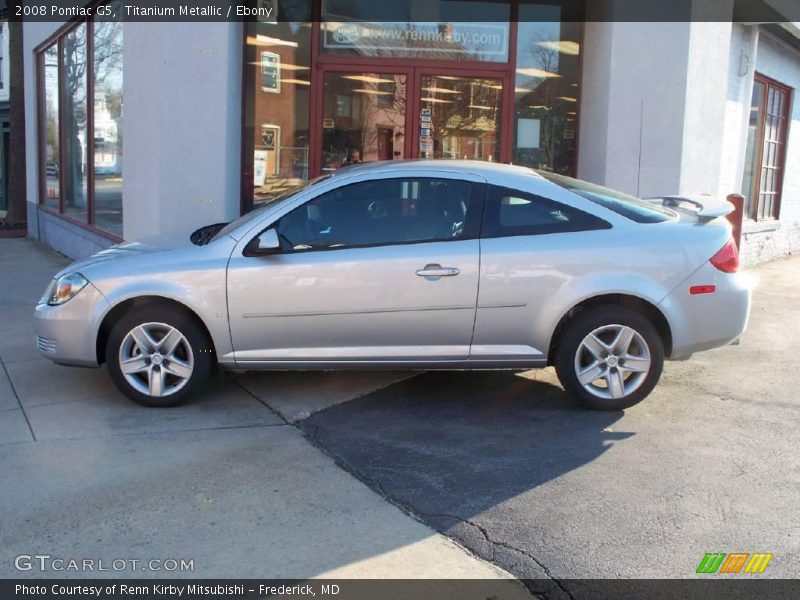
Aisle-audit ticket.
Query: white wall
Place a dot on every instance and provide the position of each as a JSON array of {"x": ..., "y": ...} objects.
[
  {"x": 182, "y": 126},
  {"x": 653, "y": 106},
  {"x": 741, "y": 69},
  {"x": 705, "y": 104},
  {"x": 633, "y": 104}
]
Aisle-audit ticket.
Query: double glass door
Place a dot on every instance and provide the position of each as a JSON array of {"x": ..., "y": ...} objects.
[{"x": 408, "y": 113}]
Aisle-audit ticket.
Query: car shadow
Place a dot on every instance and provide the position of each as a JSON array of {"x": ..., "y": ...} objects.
[{"x": 460, "y": 450}]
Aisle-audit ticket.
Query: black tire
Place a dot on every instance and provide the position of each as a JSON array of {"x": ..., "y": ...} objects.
[
  {"x": 590, "y": 320},
  {"x": 195, "y": 345}
]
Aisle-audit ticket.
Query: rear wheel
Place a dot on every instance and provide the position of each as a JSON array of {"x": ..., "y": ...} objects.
[
  {"x": 157, "y": 355},
  {"x": 609, "y": 357}
]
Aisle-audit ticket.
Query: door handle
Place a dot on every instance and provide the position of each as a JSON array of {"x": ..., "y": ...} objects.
[{"x": 433, "y": 272}]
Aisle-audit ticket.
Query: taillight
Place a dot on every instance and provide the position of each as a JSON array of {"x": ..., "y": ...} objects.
[{"x": 727, "y": 259}]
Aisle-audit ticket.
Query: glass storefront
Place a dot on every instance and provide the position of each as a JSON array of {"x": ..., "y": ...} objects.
[
  {"x": 108, "y": 153},
  {"x": 278, "y": 101},
  {"x": 51, "y": 130},
  {"x": 547, "y": 77},
  {"x": 73, "y": 134},
  {"x": 80, "y": 108},
  {"x": 368, "y": 118},
  {"x": 322, "y": 95},
  {"x": 464, "y": 116},
  {"x": 4, "y": 142}
]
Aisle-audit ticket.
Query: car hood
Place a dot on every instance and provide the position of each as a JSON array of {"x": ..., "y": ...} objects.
[{"x": 149, "y": 245}]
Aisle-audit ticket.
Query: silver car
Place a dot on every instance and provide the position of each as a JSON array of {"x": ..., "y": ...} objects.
[{"x": 420, "y": 265}]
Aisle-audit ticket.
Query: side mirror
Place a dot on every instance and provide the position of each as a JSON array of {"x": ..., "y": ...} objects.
[{"x": 266, "y": 243}]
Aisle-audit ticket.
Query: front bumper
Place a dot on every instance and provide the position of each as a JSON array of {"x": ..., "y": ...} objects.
[
  {"x": 704, "y": 321},
  {"x": 67, "y": 334}
]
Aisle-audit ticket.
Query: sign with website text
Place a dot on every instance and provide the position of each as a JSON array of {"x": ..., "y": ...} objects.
[{"x": 485, "y": 41}]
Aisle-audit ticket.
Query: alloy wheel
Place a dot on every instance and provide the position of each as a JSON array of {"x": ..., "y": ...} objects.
[
  {"x": 612, "y": 361},
  {"x": 156, "y": 359}
]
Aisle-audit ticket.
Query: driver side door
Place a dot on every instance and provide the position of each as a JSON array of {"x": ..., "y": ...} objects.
[{"x": 380, "y": 271}]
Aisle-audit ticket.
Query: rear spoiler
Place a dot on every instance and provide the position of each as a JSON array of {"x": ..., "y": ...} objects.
[{"x": 708, "y": 207}]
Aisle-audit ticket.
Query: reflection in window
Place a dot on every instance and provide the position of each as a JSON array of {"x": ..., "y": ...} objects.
[
  {"x": 364, "y": 118},
  {"x": 546, "y": 92},
  {"x": 71, "y": 126},
  {"x": 73, "y": 135},
  {"x": 108, "y": 126},
  {"x": 462, "y": 115},
  {"x": 52, "y": 189},
  {"x": 435, "y": 29},
  {"x": 277, "y": 101}
]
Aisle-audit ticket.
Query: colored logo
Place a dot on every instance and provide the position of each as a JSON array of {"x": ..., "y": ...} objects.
[{"x": 735, "y": 562}]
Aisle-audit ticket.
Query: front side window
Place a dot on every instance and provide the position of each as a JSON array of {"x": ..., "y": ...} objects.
[
  {"x": 512, "y": 212},
  {"x": 383, "y": 212}
]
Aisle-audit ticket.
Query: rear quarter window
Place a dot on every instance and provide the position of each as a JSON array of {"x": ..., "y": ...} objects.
[
  {"x": 630, "y": 207},
  {"x": 513, "y": 212}
]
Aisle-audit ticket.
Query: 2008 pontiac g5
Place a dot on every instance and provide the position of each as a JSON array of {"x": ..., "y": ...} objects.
[{"x": 418, "y": 264}]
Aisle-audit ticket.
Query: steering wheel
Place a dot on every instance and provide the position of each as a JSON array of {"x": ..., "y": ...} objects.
[{"x": 377, "y": 209}]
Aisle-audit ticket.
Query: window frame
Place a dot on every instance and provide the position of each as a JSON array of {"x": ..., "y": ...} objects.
[
  {"x": 752, "y": 209},
  {"x": 492, "y": 228},
  {"x": 322, "y": 62},
  {"x": 472, "y": 224},
  {"x": 57, "y": 40}
]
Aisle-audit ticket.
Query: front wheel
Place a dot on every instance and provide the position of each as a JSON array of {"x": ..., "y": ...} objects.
[
  {"x": 157, "y": 355},
  {"x": 609, "y": 358}
]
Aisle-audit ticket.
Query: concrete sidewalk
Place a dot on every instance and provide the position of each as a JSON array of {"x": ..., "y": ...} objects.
[{"x": 226, "y": 481}]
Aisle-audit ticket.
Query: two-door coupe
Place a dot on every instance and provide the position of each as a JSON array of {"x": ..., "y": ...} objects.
[{"x": 412, "y": 264}]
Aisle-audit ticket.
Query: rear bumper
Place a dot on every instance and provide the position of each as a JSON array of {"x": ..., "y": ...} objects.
[
  {"x": 67, "y": 334},
  {"x": 704, "y": 321}
]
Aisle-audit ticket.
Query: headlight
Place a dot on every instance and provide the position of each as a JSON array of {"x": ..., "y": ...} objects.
[{"x": 65, "y": 288}]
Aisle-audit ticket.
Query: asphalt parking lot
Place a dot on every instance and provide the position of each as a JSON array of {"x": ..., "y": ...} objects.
[
  {"x": 509, "y": 466},
  {"x": 269, "y": 474}
]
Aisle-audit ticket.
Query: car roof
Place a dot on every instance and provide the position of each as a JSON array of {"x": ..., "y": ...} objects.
[{"x": 439, "y": 165}]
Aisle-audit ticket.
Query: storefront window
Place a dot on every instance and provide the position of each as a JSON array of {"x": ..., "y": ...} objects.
[
  {"x": 51, "y": 136},
  {"x": 365, "y": 117},
  {"x": 434, "y": 29},
  {"x": 73, "y": 132},
  {"x": 108, "y": 126},
  {"x": 546, "y": 92},
  {"x": 408, "y": 79},
  {"x": 90, "y": 60},
  {"x": 464, "y": 117},
  {"x": 4, "y": 142},
  {"x": 277, "y": 101}
]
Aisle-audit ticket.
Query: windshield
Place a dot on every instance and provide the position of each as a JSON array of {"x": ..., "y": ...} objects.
[
  {"x": 630, "y": 207},
  {"x": 269, "y": 203}
]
